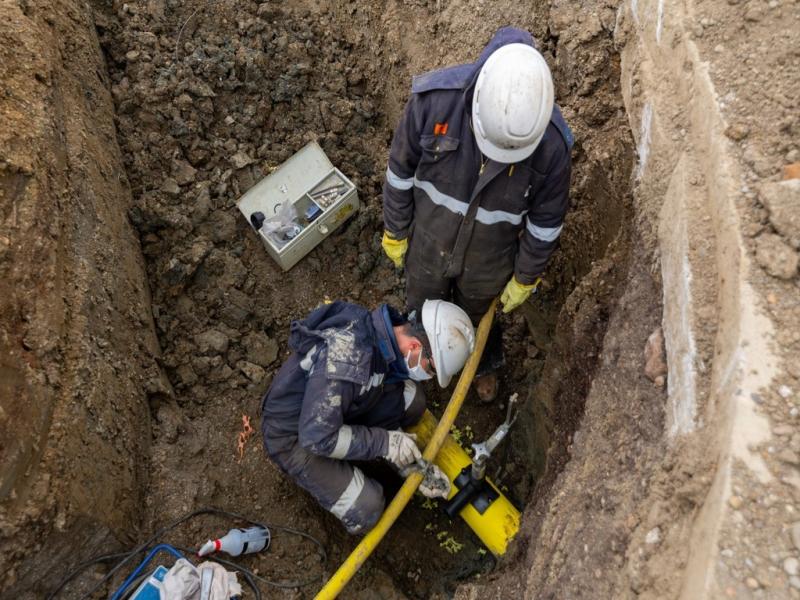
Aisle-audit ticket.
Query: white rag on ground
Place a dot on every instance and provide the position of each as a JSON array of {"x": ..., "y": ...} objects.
[{"x": 183, "y": 582}]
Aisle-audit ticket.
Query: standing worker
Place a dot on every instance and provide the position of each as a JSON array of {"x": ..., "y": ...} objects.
[
  {"x": 346, "y": 391},
  {"x": 478, "y": 184}
]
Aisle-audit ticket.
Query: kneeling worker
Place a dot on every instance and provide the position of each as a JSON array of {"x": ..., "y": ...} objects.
[{"x": 346, "y": 392}]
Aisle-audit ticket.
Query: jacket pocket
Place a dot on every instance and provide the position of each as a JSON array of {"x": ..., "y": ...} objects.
[
  {"x": 433, "y": 145},
  {"x": 438, "y": 160}
]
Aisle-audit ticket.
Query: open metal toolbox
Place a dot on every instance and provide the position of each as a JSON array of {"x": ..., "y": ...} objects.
[{"x": 299, "y": 204}]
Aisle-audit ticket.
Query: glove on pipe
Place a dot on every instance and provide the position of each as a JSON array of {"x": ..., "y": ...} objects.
[{"x": 435, "y": 484}]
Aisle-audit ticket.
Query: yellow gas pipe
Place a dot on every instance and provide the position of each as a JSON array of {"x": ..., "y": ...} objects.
[{"x": 361, "y": 552}]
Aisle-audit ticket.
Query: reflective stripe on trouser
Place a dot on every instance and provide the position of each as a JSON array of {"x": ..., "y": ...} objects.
[
  {"x": 356, "y": 500},
  {"x": 342, "y": 489}
]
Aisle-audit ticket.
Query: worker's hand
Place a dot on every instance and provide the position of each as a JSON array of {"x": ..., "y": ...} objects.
[
  {"x": 516, "y": 293},
  {"x": 435, "y": 484},
  {"x": 402, "y": 450},
  {"x": 395, "y": 249}
]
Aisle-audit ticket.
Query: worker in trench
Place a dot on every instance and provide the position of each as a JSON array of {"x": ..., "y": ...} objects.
[
  {"x": 351, "y": 384},
  {"x": 477, "y": 185}
]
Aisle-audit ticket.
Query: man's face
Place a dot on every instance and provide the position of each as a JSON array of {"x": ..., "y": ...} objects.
[{"x": 418, "y": 353}]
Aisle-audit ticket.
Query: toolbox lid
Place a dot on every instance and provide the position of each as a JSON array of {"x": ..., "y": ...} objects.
[{"x": 298, "y": 175}]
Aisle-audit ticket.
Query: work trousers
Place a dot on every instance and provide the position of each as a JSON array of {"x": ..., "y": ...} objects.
[{"x": 340, "y": 487}]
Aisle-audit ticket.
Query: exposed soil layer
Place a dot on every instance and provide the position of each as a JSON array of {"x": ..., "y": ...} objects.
[
  {"x": 141, "y": 320},
  {"x": 208, "y": 99},
  {"x": 77, "y": 346}
]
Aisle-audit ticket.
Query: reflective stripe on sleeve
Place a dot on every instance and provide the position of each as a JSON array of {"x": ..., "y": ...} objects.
[
  {"x": 545, "y": 234},
  {"x": 349, "y": 495},
  {"x": 398, "y": 182},
  {"x": 343, "y": 442}
]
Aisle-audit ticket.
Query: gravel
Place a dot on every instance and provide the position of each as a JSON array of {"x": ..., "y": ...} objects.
[{"x": 791, "y": 566}]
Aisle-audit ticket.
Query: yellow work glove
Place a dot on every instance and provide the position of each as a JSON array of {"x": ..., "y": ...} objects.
[
  {"x": 516, "y": 293},
  {"x": 395, "y": 249}
]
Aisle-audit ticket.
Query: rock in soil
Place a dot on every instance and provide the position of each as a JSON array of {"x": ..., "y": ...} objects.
[
  {"x": 782, "y": 200},
  {"x": 212, "y": 342},
  {"x": 253, "y": 372},
  {"x": 775, "y": 256},
  {"x": 261, "y": 349},
  {"x": 795, "y": 533},
  {"x": 655, "y": 364},
  {"x": 791, "y": 566}
]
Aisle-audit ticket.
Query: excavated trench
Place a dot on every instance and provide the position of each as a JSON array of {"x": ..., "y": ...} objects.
[
  {"x": 201, "y": 121},
  {"x": 208, "y": 98}
]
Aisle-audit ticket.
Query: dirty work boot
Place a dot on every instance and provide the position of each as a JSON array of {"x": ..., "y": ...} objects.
[{"x": 486, "y": 387}]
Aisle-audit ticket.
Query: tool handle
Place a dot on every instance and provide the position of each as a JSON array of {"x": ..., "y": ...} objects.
[{"x": 511, "y": 402}]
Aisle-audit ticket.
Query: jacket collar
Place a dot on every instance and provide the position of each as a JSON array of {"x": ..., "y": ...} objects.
[{"x": 384, "y": 318}]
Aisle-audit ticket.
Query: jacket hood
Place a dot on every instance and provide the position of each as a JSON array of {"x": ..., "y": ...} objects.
[
  {"x": 503, "y": 37},
  {"x": 303, "y": 334},
  {"x": 351, "y": 334}
]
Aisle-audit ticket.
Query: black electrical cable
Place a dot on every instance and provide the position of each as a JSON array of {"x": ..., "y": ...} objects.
[
  {"x": 249, "y": 575},
  {"x": 82, "y": 567}
]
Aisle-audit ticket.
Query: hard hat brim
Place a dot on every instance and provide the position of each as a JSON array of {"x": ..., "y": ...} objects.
[
  {"x": 435, "y": 322},
  {"x": 429, "y": 321},
  {"x": 503, "y": 155}
]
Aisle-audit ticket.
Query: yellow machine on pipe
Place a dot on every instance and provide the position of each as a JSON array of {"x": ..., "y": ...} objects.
[
  {"x": 499, "y": 522},
  {"x": 357, "y": 558}
]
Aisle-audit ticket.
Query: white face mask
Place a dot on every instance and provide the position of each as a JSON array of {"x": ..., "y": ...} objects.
[{"x": 417, "y": 373}]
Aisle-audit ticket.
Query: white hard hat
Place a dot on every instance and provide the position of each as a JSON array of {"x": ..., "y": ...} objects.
[
  {"x": 451, "y": 335},
  {"x": 512, "y": 103}
]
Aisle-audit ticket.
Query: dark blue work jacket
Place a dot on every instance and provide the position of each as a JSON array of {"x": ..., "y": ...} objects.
[
  {"x": 343, "y": 357},
  {"x": 466, "y": 216}
]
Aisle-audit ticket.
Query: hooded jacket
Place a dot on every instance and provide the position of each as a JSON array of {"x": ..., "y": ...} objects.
[
  {"x": 343, "y": 357},
  {"x": 464, "y": 213}
]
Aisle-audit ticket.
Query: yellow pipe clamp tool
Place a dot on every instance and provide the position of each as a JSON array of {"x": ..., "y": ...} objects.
[{"x": 499, "y": 522}]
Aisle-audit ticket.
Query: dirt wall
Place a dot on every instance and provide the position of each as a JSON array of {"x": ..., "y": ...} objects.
[
  {"x": 690, "y": 492},
  {"x": 77, "y": 344},
  {"x": 695, "y": 76}
]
